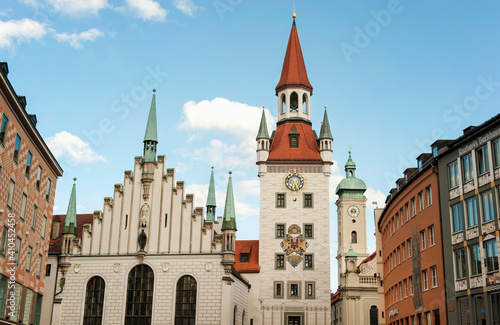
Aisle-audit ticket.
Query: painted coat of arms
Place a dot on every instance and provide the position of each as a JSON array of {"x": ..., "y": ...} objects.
[{"x": 294, "y": 245}]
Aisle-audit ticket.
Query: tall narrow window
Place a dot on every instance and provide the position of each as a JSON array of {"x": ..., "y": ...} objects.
[
  {"x": 453, "y": 174},
  {"x": 47, "y": 193},
  {"x": 17, "y": 146},
  {"x": 308, "y": 231},
  {"x": 28, "y": 164},
  {"x": 294, "y": 102},
  {"x": 280, "y": 261},
  {"x": 482, "y": 160},
  {"x": 475, "y": 260},
  {"x": 407, "y": 207},
  {"x": 308, "y": 200},
  {"x": 3, "y": 243},
  {"x": 468, "y": 167},
  {"x": 413, "y": 207},
  {"x": 166, "y": 220},
  {"x": 16, "y": 252},
  {"x": 28, "y": 259},
  {"x": 421, "y": 201},
  {"x": 294, "y": 141},
  {"x": 280, "y": 231},
  {"x": 428, "y": 190},
  {"x": 278, "y": 289},
  {"x": 423, "y": 240},
  {"x": 3, "y": 128},
  {"x": 434, "y": 276},
  {"x": 24, "y": 200},
  {"x": 33, "y": 221},
  {"x": 3, "y": 294},
  {"x": 304, "y": 104},
  {"x": 39, "y": 266},
  {"x": 280, "y": 200},
  {"x": 39, "y": 177},
  {"x": 488, "y": 210},
  {"x": 354, "y": 237},
  {"x": 139, "y": 295},
  {"x": 491, "y": 255},
  {"x": 44, "y": 226},
  {"x": 94, "y": 301},
  {"x": 496, "y": 152},
  {"x": 432, "y": 236},
  {"x": 456, "y": 212},
  {"x": 10, "y": 193},
  {"x": 471, "y": 212},
  {"x": 308, "y": 261},
  {"x": 185, "y": 302},
  {"x": 283, "y": 104}
]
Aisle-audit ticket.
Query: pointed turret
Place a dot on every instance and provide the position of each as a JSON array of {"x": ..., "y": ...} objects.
[
  {"x": 70, "y": 220},
  {"x": 294, "y": 71},
  {"x": 294, "y": 89},
  {"x": 263, "y": 133},
  {"x": 325, "y": 132},
  {"x": 211, "y": 204},
  {"x": 229, "y": 220},
  {"x": 151, "y": 136}
]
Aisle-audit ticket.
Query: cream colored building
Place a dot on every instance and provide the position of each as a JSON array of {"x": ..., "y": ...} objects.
[{"x": 356, "y": 300}]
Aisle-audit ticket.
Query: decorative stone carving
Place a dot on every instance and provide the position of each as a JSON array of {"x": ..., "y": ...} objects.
[
  {"x": 365, "y": 268},
  {"x": 77, "y": 268},
  {"x": 142, "y": 240},
  {"x": 144, "y": 215},
  {"x": 116, "y": 267},
  {"x": 294, "y": 245},
  {"x": 165, "y": 267},
  {"x": 208, "y": 266}
]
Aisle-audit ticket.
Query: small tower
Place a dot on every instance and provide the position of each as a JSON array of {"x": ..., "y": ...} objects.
[
  {"x": 263, "y": 143},
  {"x": 69, "y": 232},
  {"x": 149, "y": 154},
  {"x": 351, "y": 211},
  {"x": 229, "y": 229},
  {"x": 294, "y": 90},
  {"x": 351, "y": 260},
  {"x": 325, "y": 144},
  {"x": 211, "y": 204}
]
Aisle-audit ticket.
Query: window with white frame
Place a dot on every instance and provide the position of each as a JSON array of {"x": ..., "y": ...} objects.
[
  {"x": 428, "y": 190},
  {"x": 434, "y": 276},
  {"x": 24, "y": 200},
  {"x": 10, "y": 193},
  {"x": 405, "y": 282},
  {"x": 421, "y": 201},
  {"x": 413, "y": 207},
  {"x": 409, "y": 248},
  {"x": 425, "y": 280},
  {"x": 432, "y": 236},
  {"x": 411, "y": 285},
  {"x": 483, "y": 160},
  {"x": 487, "y": 202},
  {"x": 407, "y": 206},
  {"x": 403, "y": 249},
  {"x": 453, "y": 174},
  {"x": 423, "y": 245},
  {"x": 472, "y": 220},
  {"x": 468, "y": 167}
]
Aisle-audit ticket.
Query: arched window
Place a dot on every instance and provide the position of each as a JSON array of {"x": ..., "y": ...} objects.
[
  {"x": 304, "y": 104},
  {"x": 94, "y": 301},
  {"x": 139, "y": 295},
  {"x": 234, "y": 316},
  {"x": 354, "y": 237},
  {"x": 373, "y": 315},
  {"x": 185, "y": 301},
  {"x": 294, "y": 102},
  {"x": 283, "y": 104},
  {"x": 294, "y": 141}
]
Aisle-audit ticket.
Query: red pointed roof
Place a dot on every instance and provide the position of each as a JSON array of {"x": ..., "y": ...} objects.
[
  {"x": 280, "y": 147},
  {"x": 56, "y": 244},
  {"x": 294, "y": 69}
]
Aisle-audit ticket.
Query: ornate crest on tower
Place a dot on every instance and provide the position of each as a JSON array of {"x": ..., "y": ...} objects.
[{"x": 294, "y": 245}]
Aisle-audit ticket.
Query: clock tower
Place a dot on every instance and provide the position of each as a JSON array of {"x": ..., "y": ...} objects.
[
  {"x": 351, "y": 214},
  {"x": 294, "y": 168}
]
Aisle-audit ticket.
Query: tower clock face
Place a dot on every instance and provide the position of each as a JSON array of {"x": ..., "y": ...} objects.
[
  {"x": 353, "y": 211},
  {"x": 294, "y": 182}
]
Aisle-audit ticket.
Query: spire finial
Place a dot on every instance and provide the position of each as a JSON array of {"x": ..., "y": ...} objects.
[
  {"x": 154, "y": 90},
  {"x": 74, "y": 179},
  {"x": 230, "y": 172},
  {"x": 349, "y": 147},
  {"x": 294, "y": 15}
]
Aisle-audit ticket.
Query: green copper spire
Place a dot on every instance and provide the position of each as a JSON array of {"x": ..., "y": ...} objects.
[
  {"x": 263, "y": 133},
  {"x": 351, "y": 186},
  {"x": 70, "y": 220},
  {"x": 151, "y": 137},
  {"x": 325, "y": 131},
  {"x": 211, "y": 199},
  {"x": 351, "y": 253},
  {"x": 229, "y": 219}
]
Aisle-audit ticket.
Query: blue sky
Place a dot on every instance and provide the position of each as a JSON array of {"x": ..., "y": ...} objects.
[{"x": 395, "y": 76}]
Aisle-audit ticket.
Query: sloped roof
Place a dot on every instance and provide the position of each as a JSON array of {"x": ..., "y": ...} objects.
[
  {"x": 280, "y": 147},
  {"x": 56, "y": 244},
  {"x": 369, "y": 258},
  {"x": 249, "y": 247},
  {"x": 294, "y": 71}
]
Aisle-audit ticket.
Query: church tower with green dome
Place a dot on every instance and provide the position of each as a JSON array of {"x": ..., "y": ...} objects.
[{"x": 351, "y": 215}]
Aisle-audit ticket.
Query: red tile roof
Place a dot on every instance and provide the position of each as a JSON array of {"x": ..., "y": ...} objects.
[
  {"x": 251, "y": 247},
  {"x": 294, "y": 69},
  {"x": 335, "y": 297},
  {"x": 369, "y": 258},
  {"x": 280, "y": 147},
  {"x": 81, "y": 219}
]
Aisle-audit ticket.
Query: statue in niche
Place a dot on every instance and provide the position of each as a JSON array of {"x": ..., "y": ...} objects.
[
  {"x": 144, "y": 216},
  {"x": 143, "y": 238}
]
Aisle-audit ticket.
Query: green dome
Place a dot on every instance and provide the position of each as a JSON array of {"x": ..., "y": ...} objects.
[
  {"x": 351, "y": 186},
  {"x": 351, "y": 253}
]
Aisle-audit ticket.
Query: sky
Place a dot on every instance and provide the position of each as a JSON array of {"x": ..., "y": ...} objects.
[{"x": 395, "y": 76}]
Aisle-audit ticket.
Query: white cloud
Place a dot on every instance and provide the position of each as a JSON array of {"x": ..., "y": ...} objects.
[
  {"x": 147, "y": 9},
  {"x": 373, "y": 195},
  {"x": 248, "y": 187},
  {"x": 76, "y": 7},
  {"x": 3, "y": 13},
  {"x": 20, "y": 31},
  {"x": 186, "y": 6},
  {"x": 225, "y": 156},
  {"x": 65, "y": 144},
  {"x": 75, "y": 40}
]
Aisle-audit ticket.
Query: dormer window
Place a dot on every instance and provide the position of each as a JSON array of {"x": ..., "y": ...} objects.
[
  {"x": 244, "y": 257},
  {"x": 294, "y": 102},
  {"x": 294, "y": 141}
]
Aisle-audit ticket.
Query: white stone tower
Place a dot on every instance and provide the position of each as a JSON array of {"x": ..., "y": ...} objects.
[
  {"x": 351, "y": 214},
  {"x": 294, "y": 170}
]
